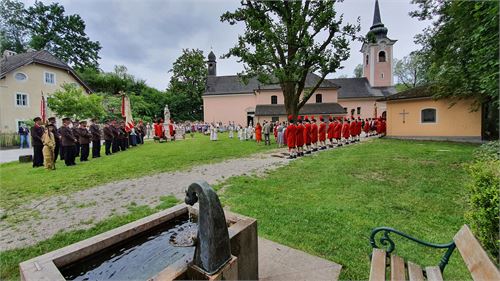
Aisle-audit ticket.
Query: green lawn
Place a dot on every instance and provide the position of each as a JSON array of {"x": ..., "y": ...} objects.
[
  {"x": 20, "y": 182},
  {"x": 327, "y": 204}
]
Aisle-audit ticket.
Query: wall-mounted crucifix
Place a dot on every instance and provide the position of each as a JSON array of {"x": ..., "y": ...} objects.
[{"x": 404, "y": 113}]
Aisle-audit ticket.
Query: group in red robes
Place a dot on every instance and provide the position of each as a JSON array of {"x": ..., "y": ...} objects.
[
  {"x": 258, "y": 133},
  {"x": 314, "y": 134},
  {"x": 322, "y": 133}
]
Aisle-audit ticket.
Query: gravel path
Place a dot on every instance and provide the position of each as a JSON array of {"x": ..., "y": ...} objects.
[{"x": 84, "y": 209}]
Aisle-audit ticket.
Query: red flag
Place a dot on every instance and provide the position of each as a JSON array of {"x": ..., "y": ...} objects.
[
  {"x": 43, "y": 109},
  {"x": 127, "y": 113}
]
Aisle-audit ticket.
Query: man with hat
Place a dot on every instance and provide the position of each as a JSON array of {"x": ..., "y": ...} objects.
[
  {"x": 352, "y": 129},
  {"x": 49, "y": 144},
  {"x": 108, "y": 137},
  {"x": 116, "y": 134},
  {"x": 96, "y": 138},
  {"x": 57, "y": 138},
  {"x": 366, "y": 127},
  {"x": 345, "y": 131},
  {"x": 68, "y": 142},
  {"x": 337, "y": 133},
  {"x": 300, "y": 137},
  {"x": 76, "y": 125},
  {"x": 322, "y": 133},
  {"x": 314, "y": 134},
  {"x": 37, "y": 143},
  {"x": 359, "y": 128},
  {"x": 331, "y": 129},
  {"x": 307, "y": 135},
  {"x": 84, "y": 137},
  {"x": 291, "y": 136}
]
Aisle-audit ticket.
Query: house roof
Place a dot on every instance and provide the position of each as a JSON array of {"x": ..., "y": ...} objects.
[
  {"x": 413, "y": 93},
  {"x": 11, "y": 63},
  {"x": 360, "y": 88},
  {"x": 307, "y": 109},
  {"x": 222, "y": 85}
]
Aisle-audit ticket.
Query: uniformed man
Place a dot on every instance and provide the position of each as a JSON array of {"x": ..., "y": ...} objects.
[
  {"x": 76, "y": 125},
  {"x": 108, "y": 137},
  {"x": 299, "y": 141},
  {"x": 291, "y": 136},
  {"x": 116, "y": 136},
  {"x": 96, "y": 139},
  {"x": 68, "y": 142},
  {"x": 331, "y": 129},
  {"x": 122, "y": 136},
  {"x": 84, "y": 138},
  {"x": 337, "y": 133},
  {"x": 314, "y": 134},
  {"x": 345, "y": 131},
  {"x": 57, "y": 138},
  {"x": 307, "y": 135},
  {"x": 37, "y": 143},
  {"x": 322, "y": 133}
]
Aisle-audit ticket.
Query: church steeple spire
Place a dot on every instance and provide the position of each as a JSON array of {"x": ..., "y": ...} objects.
[
  {"x": 378, "y": 29},
  {"x": 376, "y": 16}
]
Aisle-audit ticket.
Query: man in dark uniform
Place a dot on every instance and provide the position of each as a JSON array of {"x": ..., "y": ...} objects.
[
  {"x": 116, "y": 134},
  {"x": 141, "y": 132},
  {"x": 76, "y": 124},
  {"x": 68, "y": 141},
  {"x": 96, "y": 139},
  {"x": 57, "y": 138},
  {"x": 108, "y": 137},
  {"x": 84, "y": 137},
  {"x": 123, "y": 138},
  {"x": 36, "y": 142}
]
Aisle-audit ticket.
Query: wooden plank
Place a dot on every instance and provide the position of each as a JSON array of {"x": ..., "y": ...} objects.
[
  {"x": 415, "y": 272},
  {"x": 377, "y": 270},
  {"x": 434, "y": 273},
  {"x": 477, "y": 261},
  {"x": 397, "y": 268}
]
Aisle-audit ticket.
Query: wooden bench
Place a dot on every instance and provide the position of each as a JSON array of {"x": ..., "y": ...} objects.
[{"x": 474, "y": 256}]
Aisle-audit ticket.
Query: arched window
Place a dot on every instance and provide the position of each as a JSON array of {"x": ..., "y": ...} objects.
[
  {"x": 274, "y": 99},
  {"x": 381, "y": 56},
  {"x": 319, "y": 98},
  {"x": 367, "y": 59},
  {"x": 428, "y": 115},
  {"x": 352, "y": 111}
]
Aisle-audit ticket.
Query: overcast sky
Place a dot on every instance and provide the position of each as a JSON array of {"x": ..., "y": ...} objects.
[{"x": 148, "y": 35}]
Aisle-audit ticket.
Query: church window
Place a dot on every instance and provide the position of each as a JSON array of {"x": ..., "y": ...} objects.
[
  {"x": 345, "y": 109},
  {"x": 319, "y": 98},
  {"x": 428, "y": 115},
  {"x": 367, "y": 59},
  {"x": 381, "y": 56},
  {"x": 358, "y": 110},
  {"x": 382, "y": 75},
  {"x": 352, "y": 111},
  {"x": 274, "y": 99},
  {"x": 275, "y": 119}
]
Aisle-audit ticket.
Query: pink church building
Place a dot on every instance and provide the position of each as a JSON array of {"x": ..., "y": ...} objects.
[{"x": 227, "y": 98}]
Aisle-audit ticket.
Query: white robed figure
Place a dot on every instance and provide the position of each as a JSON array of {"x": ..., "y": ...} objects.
[
  {"x": 249, "y": 133},
  {"x": 213, "y": 132},
  {"x": 231, "y": 130}
]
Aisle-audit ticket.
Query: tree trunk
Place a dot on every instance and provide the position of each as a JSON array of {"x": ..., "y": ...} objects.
[{"x": 291, "y": 99}]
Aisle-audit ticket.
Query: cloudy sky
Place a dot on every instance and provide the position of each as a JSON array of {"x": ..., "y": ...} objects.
[{"x": 148, "y": 35}]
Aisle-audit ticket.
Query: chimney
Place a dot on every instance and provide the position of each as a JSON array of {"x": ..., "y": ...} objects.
[{"x": 8, "y": 53}]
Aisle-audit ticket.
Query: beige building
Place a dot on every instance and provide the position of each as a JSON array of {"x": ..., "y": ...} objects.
[
  {"x": 414, "y": 114},
  {"x": 23, "y": 78}
]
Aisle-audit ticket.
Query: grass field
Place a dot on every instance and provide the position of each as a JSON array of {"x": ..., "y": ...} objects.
[
  {"x": 327, "y": 204},
  {"x": 20, "y": 182}
]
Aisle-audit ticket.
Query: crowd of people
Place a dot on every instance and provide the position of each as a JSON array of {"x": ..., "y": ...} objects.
[{"x": 74, "y": 138}]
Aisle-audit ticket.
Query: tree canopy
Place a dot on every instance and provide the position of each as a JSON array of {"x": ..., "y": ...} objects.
[
  {"x": 71, "y": 101},
  {"x": 284, "y": 41},
  {"x": 358, "y": 71},
  {"x": 410, "y": 70},
  {"x": 47, "y": 27}
]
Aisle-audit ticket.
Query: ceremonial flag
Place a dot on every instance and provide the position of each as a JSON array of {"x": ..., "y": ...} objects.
[
  {"x": 43, "y": 109},
  {"x": 127, "y": 113}
]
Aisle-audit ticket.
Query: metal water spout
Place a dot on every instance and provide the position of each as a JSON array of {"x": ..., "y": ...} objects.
[{"x": 213, "y": 249}]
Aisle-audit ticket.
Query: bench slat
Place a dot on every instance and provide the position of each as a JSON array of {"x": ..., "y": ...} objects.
[
  {"x": 397, "y": 268},
  {"x": 377, "y": 270},
  {"x": 434, "y": 273},
  {"x": 415, "y": 272},
  {"x": 476, "y": 259}
]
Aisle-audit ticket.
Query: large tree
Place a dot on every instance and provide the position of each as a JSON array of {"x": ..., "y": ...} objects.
[
  {"x": 47, "y": 27},
  {"x": 284, "y": 41},
  {"x": 411, "y": 70},
  {"x": 187, "y": 84},
  {"x": 358, "y": 71},
  {"x": 462, "y": 49},
  {"x": 71, "y": 101}
]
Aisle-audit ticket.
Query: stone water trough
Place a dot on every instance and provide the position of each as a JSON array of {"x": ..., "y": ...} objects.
[{"x": 143, "y": 249}]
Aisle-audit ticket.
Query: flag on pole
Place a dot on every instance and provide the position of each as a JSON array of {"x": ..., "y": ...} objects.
[
  {"x": 43, "y": 109},
  {"x": 127, "y": 113}
]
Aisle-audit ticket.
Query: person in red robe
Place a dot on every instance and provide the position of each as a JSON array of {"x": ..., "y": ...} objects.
[
  {"x": 331, "y": 128},
  {"x": 300, "y": 137},
  {"x": 307, "y": 135},
  {"x": 322, "y": 133},
  {"x": 378, "y": 126},
  {"x": 384, "y": 127},
  {"x": 359, "y": 126},
  {"x": 291, "y": 136},
  {"x": 337, "y": 133},
  {"x": 158, "y": 128},
  {"x": 171, "y": 130},
  {"x": 352, "y": 129},
  {"x": 346, "y": 131},
  {"x": 258, "y": 133},
  {"x": 314, "y": 134},
  {"x": 366, "y": 127}
]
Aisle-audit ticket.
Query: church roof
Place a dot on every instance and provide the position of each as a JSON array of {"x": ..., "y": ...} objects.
[
  {"x": 11, "y": 63},
  {"x": 351, "y": 88},
  {"x": 211, "y": 56},
  {"x": 225, "y": 85},
  {"x": 307, "y": 109},
  {"x": 413, "y": 93}
]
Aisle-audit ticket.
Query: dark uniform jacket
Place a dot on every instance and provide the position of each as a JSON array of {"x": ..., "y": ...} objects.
[
  {"x": 96, "y": 132},
  {"x": 36, "y": 135},
  {"x": 76, "y": 133},
  {"x": 57, "y": 135},
  {"x": 84, "y": 136},
  {"x": 116, "y": 132},
  {"x": 67, "y": 137},
  {"x": 108, "y": 133}
]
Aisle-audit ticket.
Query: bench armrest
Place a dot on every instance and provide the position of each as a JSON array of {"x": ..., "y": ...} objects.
[{"x": 388, "y": 244}]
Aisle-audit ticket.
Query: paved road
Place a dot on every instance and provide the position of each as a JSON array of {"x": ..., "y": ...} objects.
[{"x": 10, "y": 155}]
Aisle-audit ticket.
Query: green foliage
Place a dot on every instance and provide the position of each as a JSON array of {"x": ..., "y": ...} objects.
[
  {"x": 358, "y": 71},
  {"x": 187, "y": 85},
  {"x": 285, "y": 40},
  {"x": 71, "y": 101},
  {"x": 484, "y": 197},
  {"x": 411, "y": 70},
  {"x": 47, "y": 27}
]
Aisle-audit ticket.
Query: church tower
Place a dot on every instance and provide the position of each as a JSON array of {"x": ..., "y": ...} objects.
[
  {"x": 377, "y": 53},
  {"x": 212, "y": 64}
]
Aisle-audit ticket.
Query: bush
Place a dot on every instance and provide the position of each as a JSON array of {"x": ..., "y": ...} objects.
[
  {"x": 9, "y": 139},
  {"x": 484, "y": 194}
]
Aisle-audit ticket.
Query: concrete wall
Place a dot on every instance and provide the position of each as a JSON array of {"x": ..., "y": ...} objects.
[
  {"x": 455, "y": 122},
  {"x": 225, "y": 108},
  {"x": 367, "y": 107},
  {"x": 10, "y": 113}
]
